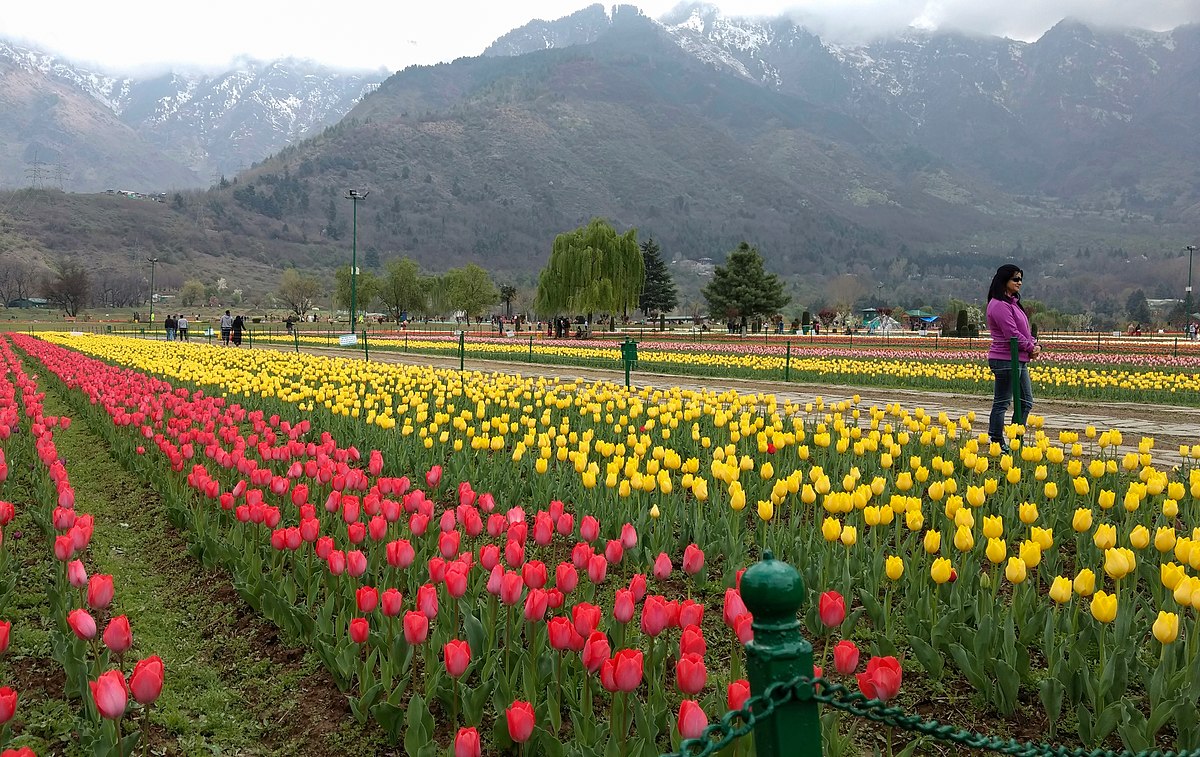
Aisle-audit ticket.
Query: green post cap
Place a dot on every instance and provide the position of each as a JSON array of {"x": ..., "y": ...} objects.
[{"x": 772, "y": 590}]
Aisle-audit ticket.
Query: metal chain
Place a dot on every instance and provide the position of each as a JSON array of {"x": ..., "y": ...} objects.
[{"x": 737, "y": 723}]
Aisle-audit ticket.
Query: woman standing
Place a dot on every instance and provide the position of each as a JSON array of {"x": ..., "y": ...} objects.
[
  {"x": 239, "y": 324},
  {"x": 1007, "y": 319}
]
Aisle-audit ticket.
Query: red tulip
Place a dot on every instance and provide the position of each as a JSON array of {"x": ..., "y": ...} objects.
[
  {"x": 108, "y": 692},
  {"x": 434, "y": 476},
  {"x": 692, "y": 641},
  {"x": 534, "y": 574},
  {"x": 831, "y": 608},
  {"x": 118, "y": 636},
  {"x": 637, "y": 586},
  {"x": 495, "y": 580},
  {"x": 337, "y": 562},
  {"x": 693, "y": 560},
  {"x": 456, "y": 580},
  {"x": 629, "y": 536},
  {"x": 561, "y": 633},
  {"x": 8, "y": 704},
  {"x": 566, "y": 578},
  {"x": 146, "y": 680},
  {"x": 360, "y": 630},
  {"x": 64, "y": 547},
  {"x": 614, "y": 551},
  {"x": 543, "y": 530},
  {"x": 589, "y": 528},
  {"x": 390, "y": 601},
  {"x": 489, "y": 556},
  {"x": 400, "y": 553},
  {"x": 662, "y": 567},
  {"x": 627, "y": 669},
  {"x": 623, "y": 606},
  {"x": 19, "y": 751},
  {"x": 565, "y": 524},
  {"x": 744, "y": 628},
  {"x": 581, "y": 555},
  {"x": 882, "y": 679},
  {"x": 845, "y": 657},
  {"x": 692, "y": 720},
  {"x": 586, "y": 618},
  {"x": 466, "y": 743},
  {"x": 448, "y": 543},
  {"x": 520, "y": 721},
  {"x": 734, "y": 606},
  {"x": 5, "y": 631},
  {"x": 511, "y": 588},
  {"x": 691, "y": 673},
  {"x": 654, "y": 615},
  {"x": 375, "y": 462},
  {"x": 377, "y": 528},
  {"x": 595, "y": 651},
  {"x": 100, "y": 592},
  {"x": 62, "y": 517},
  {"x": 597, "y": 569},
  {"x": 427, "y": 600},
  {"x": 514, "y": 553},
  {"x": 356, "y": 563},
  {"x": 437, "y": 569},
  {"x": 368, "y": 599},
  {"x": 691, "y": 613},
  {"x": 416, "y": 627},
  {"x": 457, "y": 655},
  {"x": 737, "y": 694},
  {"x": 82, "y": 623},
  {"x": 418, "y": 523},
  {"x": 536, "y": 604}
]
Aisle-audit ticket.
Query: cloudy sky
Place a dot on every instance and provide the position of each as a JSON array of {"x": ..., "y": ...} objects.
[{"x": 136, "y": 35}]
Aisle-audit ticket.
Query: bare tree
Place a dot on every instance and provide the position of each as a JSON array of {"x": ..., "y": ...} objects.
[
  {"x": 15, "y": 278},
  {"x": 67, "y": 287}
]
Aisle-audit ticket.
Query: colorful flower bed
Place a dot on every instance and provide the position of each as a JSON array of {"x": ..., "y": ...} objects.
[
  {"x": 94, "y": 661},
  {"x": 447, "y": 540}
]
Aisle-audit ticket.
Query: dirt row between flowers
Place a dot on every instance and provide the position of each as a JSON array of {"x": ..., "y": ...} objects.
[
  {"x": 1169, "y": 425},
  {"x": 233, "y": 685}
]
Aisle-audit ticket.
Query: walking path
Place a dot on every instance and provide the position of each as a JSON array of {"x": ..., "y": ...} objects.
[{"x": 1170, "y": 426}]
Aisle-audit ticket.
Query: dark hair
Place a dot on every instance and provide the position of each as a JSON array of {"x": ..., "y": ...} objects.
[{"x": 999, "y": 287}]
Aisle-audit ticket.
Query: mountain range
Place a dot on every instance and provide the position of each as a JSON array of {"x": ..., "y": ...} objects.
[
  {"x": 66, "y": 125},
  {"x": 916, "y": 161}
]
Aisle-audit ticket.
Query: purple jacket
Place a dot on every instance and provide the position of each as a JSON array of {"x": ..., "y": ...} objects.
[{"x": 1005, "y": 319}]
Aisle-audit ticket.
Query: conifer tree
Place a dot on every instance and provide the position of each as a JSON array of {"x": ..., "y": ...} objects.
[{"x": 659, "y": 295}]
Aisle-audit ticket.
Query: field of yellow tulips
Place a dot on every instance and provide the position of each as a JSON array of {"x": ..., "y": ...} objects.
[
  {"x": 1067, "y": 374},
  {"x": 1061, "y": 581}
]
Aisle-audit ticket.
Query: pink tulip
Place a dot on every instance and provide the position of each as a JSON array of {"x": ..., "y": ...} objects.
[
  {"x": 654, "y": 615},
  {"x": 466, "y": 743},
  {"x": 391, "y": 601},
  {"x": 146, "y": 680},
  {"x": 845, "y": 657},
  {"x": 400, "y": 553},
  {"x": 629, "y": 536},
  {"x": 118, "y": 636},
  {"x": 743, "y": 627},
  {"x": 5, "y": 632},
  {"x": 627, "y": 669},
  {"x": 566, "y": 578},
  {"x": 360, "y": 630},
  {"x": 536, "y": 604},
  {"x": 692, "y": 720},
  {"x": 108, "y": 692},
  {"x": 427, "y": 600},
  {"x": 416, "y": 627},
  {"x": 456, "y": 580},
  {"x": 691, "y": 640},
  {"x": 882, "y": 678},
  {"x": 82, "y": 623},
  {"x": 367, "y": 598},
  {"x": 693, "y": 560},
  {"x": 595, "y": 651},
  {"x": 614, "y": 551},
  {"x": 434, "y": 476},
  {"x": 457, "y": 655},
  {"x": 637, "y": 585},
  {"x": 534, "y": 574},
  {"x": 690, "y": 673},
  {"x": 520, "y": 719},
  {"x": 831, "y": 608},
  {"x": 76, "y": 574},
  {"x": 356, "y": 563},
  {"x": 597, "y": 569},
  {"x": 737, "y": 694},
  {"x": 8, "y": 705},
  {"x": 511, "y": 589},
  {"x": 586, "y": 618},
  {"x": 734, "y": 607},
  {"x": 623, "y": 606},
  {"x": 662, "y": 567},
  {"x": 589, "y": 528},
  {"x": 691, "y": 613},
  {"x": 560, "y": 633},
  {"x": 581, "y": 555}
]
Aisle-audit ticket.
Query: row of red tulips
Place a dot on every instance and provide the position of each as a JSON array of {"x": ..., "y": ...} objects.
[{"x": 105, "y": 697}]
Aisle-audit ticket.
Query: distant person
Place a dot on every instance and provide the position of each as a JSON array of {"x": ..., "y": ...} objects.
[
  {"x": 226, "y": 328},
  {"x": 239, "y": 324},
  {"x": 169, "y": 323},
  {"x": 1006, "y": 319},
  {"x": 182, "y": 325}
]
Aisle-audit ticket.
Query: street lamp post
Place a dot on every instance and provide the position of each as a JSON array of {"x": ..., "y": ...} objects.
[
  {"x": 354, "y": 195},
  {"x": 1187, "y": 299},
  {"x": 152, "y": 262}
]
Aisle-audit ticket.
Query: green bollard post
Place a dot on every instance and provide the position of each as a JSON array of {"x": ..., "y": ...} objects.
[
  {"x": 773, "y": 592},
  {"x": 531, "y": 348},
  {"x": 1016, "y": 378},
  {"x": 462, "y": 341},
  {"x": 406, "y": 341},
  {"x": 296, "y": 337},
  {"x": 366, "y": 349},
  {"x": 250, "y": 337},
  {"x": 787, "y": 365}
]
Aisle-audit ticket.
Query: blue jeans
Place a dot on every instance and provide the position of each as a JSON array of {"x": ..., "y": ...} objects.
[{"x": 1003, "y": 396}]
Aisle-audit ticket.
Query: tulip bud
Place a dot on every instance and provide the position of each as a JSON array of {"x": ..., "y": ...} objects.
[{"x": 1166, "y": 627}]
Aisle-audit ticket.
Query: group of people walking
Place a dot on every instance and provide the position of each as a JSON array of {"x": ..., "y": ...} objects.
[
  {"x": 177, "y": 326},
  {"x": 231, "y": 329}
]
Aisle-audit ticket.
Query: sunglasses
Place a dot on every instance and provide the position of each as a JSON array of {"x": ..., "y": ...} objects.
[{"x": 1016, "y": 279}]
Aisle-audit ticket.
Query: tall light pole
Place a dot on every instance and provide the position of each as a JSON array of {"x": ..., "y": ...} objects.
[
  {"x": 152, "y": 262},
  {"x": 1187, "y": 299},
  {"x": 354, "y": 195}
]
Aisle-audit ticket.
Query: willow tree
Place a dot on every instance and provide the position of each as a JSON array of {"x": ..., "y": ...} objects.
[{"x": 592, "y": 269}]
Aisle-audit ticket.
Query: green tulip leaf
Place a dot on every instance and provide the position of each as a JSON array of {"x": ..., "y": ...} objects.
[
  {"x": 476, "y": 636},
  {"x": 1084, "y": 717},
  {"x": 1010, "y": 686},
  {"x": 1051, "y": 692},
  {"x": 872, "y": 606},
  {"x": 927, "y": 656},
  {"x": 1107, "y": 721},
  {"x": 391, "y": 717}
]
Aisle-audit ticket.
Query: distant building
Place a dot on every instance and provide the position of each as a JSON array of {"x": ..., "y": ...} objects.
[{"x": 29, "y": 302}]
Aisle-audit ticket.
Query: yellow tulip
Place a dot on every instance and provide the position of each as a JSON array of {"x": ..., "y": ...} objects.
[
  {"x": 1106, "y": 499},
  {"x": 996, "y": 551},
  {"x": 1105, "y": 536},
  {"x": 654, "y": 513},
  {"x": 993, "y": 526},
  {"x": 914, "y": 519},
  {"x": 1166, "y": 627},
  {"x": 1015, "y": 570},
  {"x": 1085, "y": 582},
  {"x": 1104, "y": 607},
  {"x": 894, "y": 566},
  {"x": 1031, "y": 553},
  {"x": 940, "y": 570},
  {"x": 1170, "y": 507},
  {"x": 767, "y": 470},
  {"x": 1139, "y": 537},
  {"x": 1060, "y": 590},
  {"x": 1183, "y": 591},
  {"x": 1081, "y": 486},
  {"x": 1051, "y": 489},
  {"x": 540, "y": 466},
  {"x": 964, "y": 540},
  {"x": 1043, "y": 536},
  {"x": 904, "y": 481},
  {"x": 871, "y": 515},
  {"x": 1164, "y": 539},
  {"x": 1013, "y": 476},
  {"x": 1082, "y": 521},
  {"x": 1028, "y": 513},
  {"x": 831, "y": 529},
  {"x": 933, "y": 542},
  {"x": 1171, "y": 574},
  {"x": 766, "y": 509},
  {"x": 1116, "y": 565},
  {"x": 849, "y": 536}
]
